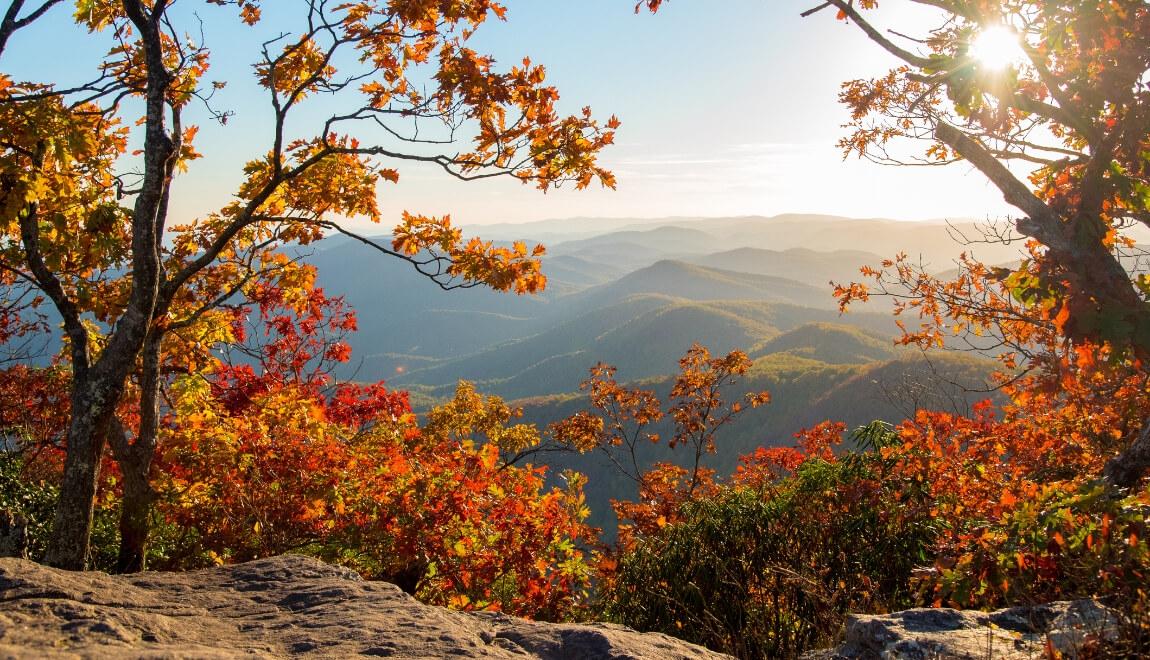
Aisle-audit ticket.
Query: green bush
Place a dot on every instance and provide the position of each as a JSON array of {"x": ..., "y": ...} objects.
[
  {"x": 29, "y": 498},
  {"x": 26, "y": 493},
  {"x": 770, "y": 571}
]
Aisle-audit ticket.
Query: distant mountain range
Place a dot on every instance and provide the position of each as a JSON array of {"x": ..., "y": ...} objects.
[
  {"x": 637, "y": 294},
  {"x": 938, "y": 243},
  {"x": 406, "y": 321}
]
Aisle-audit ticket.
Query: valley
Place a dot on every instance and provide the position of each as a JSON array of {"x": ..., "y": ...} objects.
[{"x": 637, "y": 298}]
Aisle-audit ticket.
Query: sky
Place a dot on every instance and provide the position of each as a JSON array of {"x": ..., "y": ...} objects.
[{"x": 727, "y": 108}]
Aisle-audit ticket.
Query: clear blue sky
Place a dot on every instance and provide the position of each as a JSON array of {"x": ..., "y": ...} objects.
[{"x": 728, "y": 108}]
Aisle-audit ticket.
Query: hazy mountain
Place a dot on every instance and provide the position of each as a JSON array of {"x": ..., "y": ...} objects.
[
  {"x": 634, "y": 243},
  {"x": 831, "y": 343},
  {"x": 506, "y": 360},
  {"x": 567, "y": 273},
  {"x": 644, "y": 335},
  {"x": 402, "y": 312},
  {"x": 693, "y": 282},
  {"x": 556, "y": 230},
  {"x": 801, "y": 264},
  {"x": 677, "y": 239},
  {"x": 413, "y": 333},
  {"x": 370, "y": 279},
  {"x": 405, "y": 319},
  {"x": 938, "y": 243}
]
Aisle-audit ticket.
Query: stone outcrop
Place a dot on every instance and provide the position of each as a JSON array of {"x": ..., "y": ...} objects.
[
  {"x": 281, "y": 607},
  {"x": 1019, "y": 633}
]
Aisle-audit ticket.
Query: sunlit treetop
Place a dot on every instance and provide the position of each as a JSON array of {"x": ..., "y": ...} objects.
[{"x": 1060, "y": 89}]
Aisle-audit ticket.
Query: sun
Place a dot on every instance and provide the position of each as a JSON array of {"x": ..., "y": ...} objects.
[{"x": 996, "y": 48}]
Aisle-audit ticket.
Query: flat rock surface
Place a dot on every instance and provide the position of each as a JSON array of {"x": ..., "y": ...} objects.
[
  {"x": 1072, "y": 628},
  {"x": 280, "y": 607}
]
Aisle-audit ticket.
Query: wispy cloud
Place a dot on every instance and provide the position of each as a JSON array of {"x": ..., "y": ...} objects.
[
  {"x": 724, "y": 167},
  {"x": 775, "y": 147},
  {"x": 671, "y": 161}
]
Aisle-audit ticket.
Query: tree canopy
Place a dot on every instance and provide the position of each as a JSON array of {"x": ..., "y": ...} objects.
[
  {"x": 85, "y": 212},
  {"x": 1061, "y": 90}
]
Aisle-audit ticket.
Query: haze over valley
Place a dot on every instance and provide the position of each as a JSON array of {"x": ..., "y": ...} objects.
[{"x": 636, "y": 294}]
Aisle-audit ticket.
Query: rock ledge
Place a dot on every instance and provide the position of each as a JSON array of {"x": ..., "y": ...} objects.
[
  {"x": 280, "y": 607},
  {"x": 1069, "y": 627}
]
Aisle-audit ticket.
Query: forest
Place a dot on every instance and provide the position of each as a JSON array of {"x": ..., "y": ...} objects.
[{"x": 735, "y": 431}]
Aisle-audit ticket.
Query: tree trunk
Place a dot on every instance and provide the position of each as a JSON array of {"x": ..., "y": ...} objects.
[
  {"x": 1127, "y": 468},
  {"x": 97, "y": 388},
  {"x": 135, "y": 520},
  {"x": 72, "y": 527},
  {"x": 135, "y": 461}
]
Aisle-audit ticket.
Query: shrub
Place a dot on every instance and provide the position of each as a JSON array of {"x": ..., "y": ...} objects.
[
  {"x": 1058, "y": 545},
  {"x": 768, "y": 568},
  {"x": 29, "y": 490}
]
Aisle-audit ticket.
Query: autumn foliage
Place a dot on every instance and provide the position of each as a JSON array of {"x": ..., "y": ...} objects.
[
  {"x": 267, "y": 453},
  {"x": 261, "y": 459},
  {"x": 998, "y": 508},
  {"x": 193, "y": 415},
  {"x": 621, "y": 418},
  {"x": 84, "y": 223}
]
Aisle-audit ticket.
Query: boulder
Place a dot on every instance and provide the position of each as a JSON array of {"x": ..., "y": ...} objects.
[
  {"x": 1068, "y": 627},
  {"x": 272, "y": 608}
]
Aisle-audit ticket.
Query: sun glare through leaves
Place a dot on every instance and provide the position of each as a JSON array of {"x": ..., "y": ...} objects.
[{"x": 997, "y": 48}]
